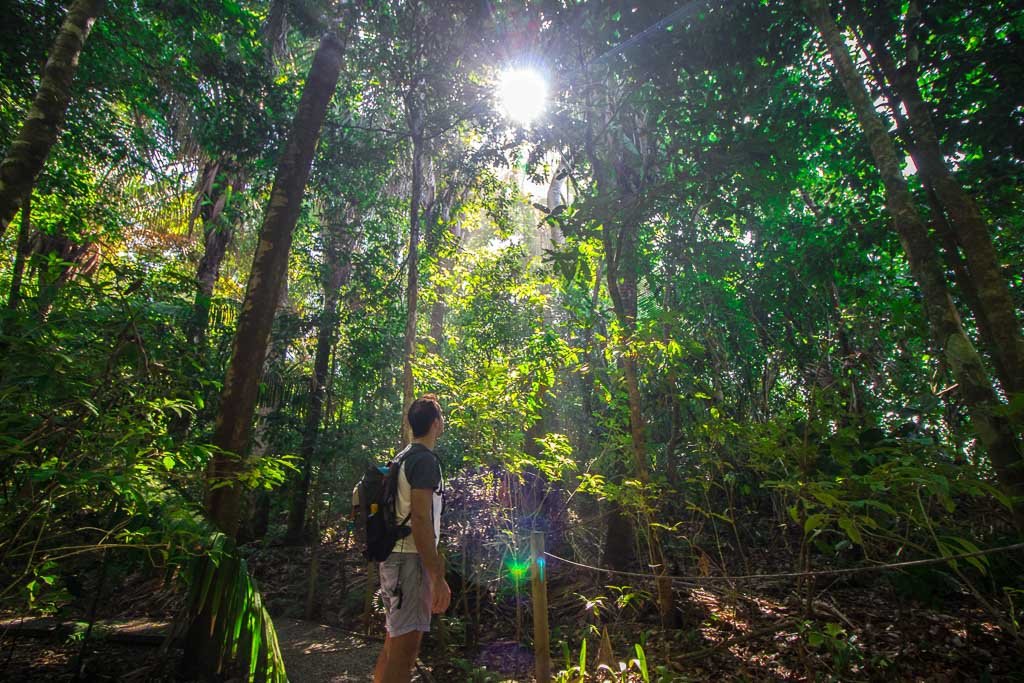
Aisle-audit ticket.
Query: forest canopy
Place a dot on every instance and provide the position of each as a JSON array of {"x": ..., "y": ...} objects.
[{"x": 706, "y": 289}]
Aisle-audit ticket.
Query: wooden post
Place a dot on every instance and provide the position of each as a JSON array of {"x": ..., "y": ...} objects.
[{"x": 541, "y": 635}]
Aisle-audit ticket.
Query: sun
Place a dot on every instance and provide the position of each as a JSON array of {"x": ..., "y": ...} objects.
[{"x": 522, "y": 94}]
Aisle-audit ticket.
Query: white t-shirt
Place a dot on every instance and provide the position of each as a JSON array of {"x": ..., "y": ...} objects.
[{"x": 420, "y": 470}]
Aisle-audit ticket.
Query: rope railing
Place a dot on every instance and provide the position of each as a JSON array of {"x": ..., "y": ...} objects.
[{"x": 794, "y": 575}]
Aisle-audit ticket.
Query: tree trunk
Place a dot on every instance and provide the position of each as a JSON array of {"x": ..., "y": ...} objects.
[
  {"x": 619, "y": 546},
  {"x": 29, "y": 150},
  {"x": 987, "y": 413},
  {"x": 337, "y": 243},
  {"x": 557, "y": 197},
  {"x": 60, "y": 260},
  {"x": 238, "y": 398},
  {"x": 415, "y": 117},
  {"x": 620, "y": 240},
  {"x": 439, "y": 309},
  {"x": 621, "y": 252},
  {"x": 996, "y": 308},
  {"x": 215, "y": 188},
  {"x": 241, "y": 383},
  {"x": 21, "y": 253}
]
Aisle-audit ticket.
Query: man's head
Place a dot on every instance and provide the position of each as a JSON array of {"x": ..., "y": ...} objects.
[{"x": 424, "y": 415}]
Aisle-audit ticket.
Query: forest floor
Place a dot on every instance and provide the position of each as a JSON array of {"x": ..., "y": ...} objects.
[{"x": 867, "y": 630}]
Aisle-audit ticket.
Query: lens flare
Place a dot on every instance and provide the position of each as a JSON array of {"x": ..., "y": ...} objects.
[
  {"x": 517, "y": 569},
  {"x": 521, "y": 95}
]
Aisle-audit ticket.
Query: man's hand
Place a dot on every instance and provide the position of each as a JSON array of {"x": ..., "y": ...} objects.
[{"x": 441, "y": 596}]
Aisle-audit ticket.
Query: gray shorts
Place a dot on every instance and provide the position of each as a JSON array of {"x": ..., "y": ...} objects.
[{"x": 406, "y": 589}]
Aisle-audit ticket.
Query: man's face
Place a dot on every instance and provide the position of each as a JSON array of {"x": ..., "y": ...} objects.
[{"x": 439, "y": 422}]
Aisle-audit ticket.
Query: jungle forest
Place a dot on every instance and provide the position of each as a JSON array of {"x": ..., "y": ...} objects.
[{"x": 721, "y": 301}]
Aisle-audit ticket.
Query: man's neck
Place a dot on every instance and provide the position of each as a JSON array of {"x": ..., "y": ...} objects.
[{"x": 427, "y": 441}]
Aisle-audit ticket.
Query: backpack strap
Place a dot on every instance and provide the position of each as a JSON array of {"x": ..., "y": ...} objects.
[{"x": 399, "y": 464}]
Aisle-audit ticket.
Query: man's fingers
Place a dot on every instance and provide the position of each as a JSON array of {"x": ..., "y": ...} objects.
[{"x": 442, "y": 598}]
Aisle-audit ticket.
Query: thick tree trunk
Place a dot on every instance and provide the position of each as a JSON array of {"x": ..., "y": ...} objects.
[
  {"x": 996, "y": 309},
  {"x": 987, "y": 413},
  {"x": 28, "y": 152},
  {"x": 238, "y": 398},
  {"x": 337, "y": 245},
  {"x": 241, "y": 383}
]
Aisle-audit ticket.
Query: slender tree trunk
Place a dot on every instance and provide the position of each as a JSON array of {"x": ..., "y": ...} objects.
[
  {"x": 412, "y": 290},
  {"x": 439, "y": 309},
  {"x": 70, "y": 260},
  {"x": 337, "y": 244},
  {"x": 27, "y": 154},
  {"x": 996, "y": 308},
  {"x": 620, "y": 242},
  {"x": 621, "y": 251},
  {"x": 215, "y": 189},
  {"x": 238, "y": 398},
  {"x": 987, "y": 413},
  {"x": 558, "y": 198},
  {"x": 21, "y": 253}
]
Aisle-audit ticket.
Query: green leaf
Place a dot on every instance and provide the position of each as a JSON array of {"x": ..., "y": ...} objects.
[
  {"x": 815, "y": 521},
  {"x": 850, "y": 527}
]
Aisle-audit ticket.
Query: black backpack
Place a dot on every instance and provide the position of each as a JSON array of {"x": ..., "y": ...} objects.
[{"x": 378, "y": 492}]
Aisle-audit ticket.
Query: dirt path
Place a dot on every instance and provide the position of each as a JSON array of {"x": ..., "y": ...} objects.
[{"x": 314, "y": 653}]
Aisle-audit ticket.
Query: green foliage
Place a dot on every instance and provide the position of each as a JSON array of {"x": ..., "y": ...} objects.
[
  {"x": 841, "y": 648},
  {"x": 788, "y": 388},
  {"x": 220, "y": 584}
]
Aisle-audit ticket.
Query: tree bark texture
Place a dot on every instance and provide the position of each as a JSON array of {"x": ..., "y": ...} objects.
[
  {"x": 21, "y": 253},
  {"x": 28, "y": 152},
  {"x": 216, "y": 186},
  {"x": 987, "y": 414},
  {"x": 249, "y": 350},
  {"x": 621, "y": 243},
  {"x": 996, "y": 309},
  {"x": 557, "y": 198},
  {"x": 415, "y": 117},
  {"x": 338, "y": 244}
]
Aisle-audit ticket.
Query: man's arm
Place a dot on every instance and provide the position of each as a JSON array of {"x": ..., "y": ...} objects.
[{"x": 422, "y": 523}]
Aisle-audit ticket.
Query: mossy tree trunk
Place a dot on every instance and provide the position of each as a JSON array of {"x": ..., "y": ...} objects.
[
  {"x": 988, "y": 414},
  {"x": 249, "y": 350},
  {"x": 980, "y": 270},
  {"x": 29, "y": 150}
]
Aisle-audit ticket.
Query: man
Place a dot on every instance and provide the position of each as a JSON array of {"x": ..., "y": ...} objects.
[{"x": 412, "y": 577}]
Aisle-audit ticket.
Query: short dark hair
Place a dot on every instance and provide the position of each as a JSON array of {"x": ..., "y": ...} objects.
[{"x": 422, "y": 414}]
